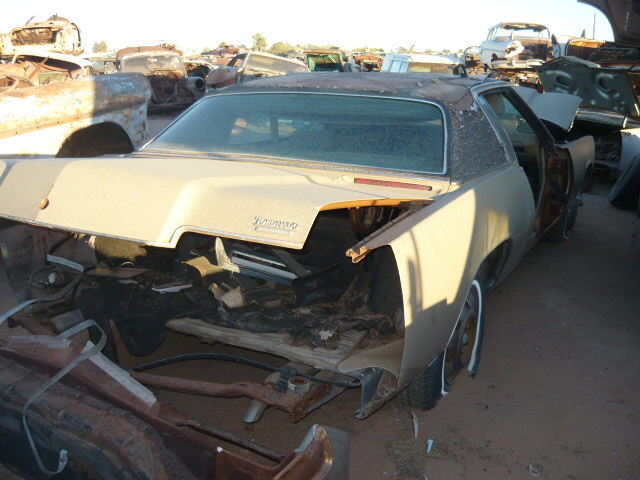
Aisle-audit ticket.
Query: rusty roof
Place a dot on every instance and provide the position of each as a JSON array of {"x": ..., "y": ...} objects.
[{"x": 446, "y": 89}]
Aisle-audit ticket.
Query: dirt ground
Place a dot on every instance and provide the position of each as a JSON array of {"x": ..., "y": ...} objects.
[{"x": 558, "y": 391}]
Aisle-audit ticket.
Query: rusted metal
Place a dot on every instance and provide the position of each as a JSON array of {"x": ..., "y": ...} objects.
[
  {"x": 115, "y": 428},
  {"x": 56, "y": 34},
  {"x": 301, "y": 408},
  {"x": 39, "y": 119},
  {"x": 258, "y": 391},
  {"x": 266, "y": 393},
  {"x": 231, "y": 438}
]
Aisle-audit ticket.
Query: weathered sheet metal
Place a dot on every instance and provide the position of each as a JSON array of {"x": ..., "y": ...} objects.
[
  {"x": 113, "y": 427},
  {"x": 267, "y": 394},
  {"x": 37, "y": 120}
]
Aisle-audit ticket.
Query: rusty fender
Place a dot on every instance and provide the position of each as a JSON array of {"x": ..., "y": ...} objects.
[
  {"x": 113, "y": 427},
  {"x": 119, "y": 98}
]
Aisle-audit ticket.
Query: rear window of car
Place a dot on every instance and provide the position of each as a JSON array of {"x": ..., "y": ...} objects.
[{"x": 339, "y": 129}]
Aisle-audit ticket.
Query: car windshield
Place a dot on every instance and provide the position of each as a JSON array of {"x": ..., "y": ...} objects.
[
  {"x": 506, "y": 32},
  {"x": 327, "y": 62},
  {"x": 152, "y": 63},
  {"x": 339, "y": 129}
]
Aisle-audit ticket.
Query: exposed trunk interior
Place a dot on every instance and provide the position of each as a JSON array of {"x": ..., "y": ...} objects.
[{"x": 312, "y": 305}]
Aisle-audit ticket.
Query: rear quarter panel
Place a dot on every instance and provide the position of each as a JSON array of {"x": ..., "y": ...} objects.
[{"x": 439, "y": 251}]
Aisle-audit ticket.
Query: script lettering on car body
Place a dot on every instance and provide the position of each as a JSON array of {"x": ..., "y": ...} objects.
[{"x": 275, "y": 226}]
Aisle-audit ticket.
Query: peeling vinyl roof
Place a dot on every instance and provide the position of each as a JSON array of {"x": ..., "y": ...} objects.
[{"x": 453, "y": 91}]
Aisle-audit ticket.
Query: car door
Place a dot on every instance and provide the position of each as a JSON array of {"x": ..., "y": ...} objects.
[{"x": 555, "y": 172}]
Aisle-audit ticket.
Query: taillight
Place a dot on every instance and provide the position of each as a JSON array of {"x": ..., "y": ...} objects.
[{"x": 387, "y": 183}]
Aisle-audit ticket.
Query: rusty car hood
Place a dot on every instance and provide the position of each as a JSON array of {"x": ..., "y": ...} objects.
[
  {"x": 153, "y": 200},
  {"x": 601, "y": 88}
]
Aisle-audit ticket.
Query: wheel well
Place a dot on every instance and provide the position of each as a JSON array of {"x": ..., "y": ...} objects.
[
  {"x": 96, "y": 140},
  {"x": 491, "y": 267}
]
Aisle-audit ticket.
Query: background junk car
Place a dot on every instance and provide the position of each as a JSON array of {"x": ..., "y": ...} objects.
[
  {"x": 56, "y": 34},
  {"x": 351, "y": 224},
  {"x": 516, "y": 45},
  {"x": 422, "y": 63},
  {"x": 250, "y": 66},
  {"x": 171, "y": 85}
]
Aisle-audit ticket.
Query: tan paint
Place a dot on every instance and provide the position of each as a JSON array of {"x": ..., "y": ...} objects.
[
  {"x": 154, "y": 200},
  {"x": 439, "y": 249}
]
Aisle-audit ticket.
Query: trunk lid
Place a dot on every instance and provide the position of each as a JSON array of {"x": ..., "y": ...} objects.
[{"x": 152, "y": 200}]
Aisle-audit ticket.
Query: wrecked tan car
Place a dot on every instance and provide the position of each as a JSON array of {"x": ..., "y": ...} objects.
[
  {"x": 86, "y": 117},
  {"x": 250, "y": 66},
  {"x": 56, "y": 34},
  {"x": 351, "y": 225}
]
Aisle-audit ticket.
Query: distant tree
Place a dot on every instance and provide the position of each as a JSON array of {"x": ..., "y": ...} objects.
[
  {"x": 446, "y": 51},
  {"x": 280, "y": 47},
  {"x": 222, "y": 43},
  {"x": 259, "y": 42},
  {"x": 100, "y": 47},
  {"x": 403, "y": 50},
  {"x": 308, "y": 46}
]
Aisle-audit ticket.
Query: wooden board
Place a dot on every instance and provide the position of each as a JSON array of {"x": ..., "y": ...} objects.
[{"x": 274, "y": 343}]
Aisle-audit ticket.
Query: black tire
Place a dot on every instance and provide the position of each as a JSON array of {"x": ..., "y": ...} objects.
[
  {"x": 627, "y": 187},
  {"x": 462, "y": 352}
]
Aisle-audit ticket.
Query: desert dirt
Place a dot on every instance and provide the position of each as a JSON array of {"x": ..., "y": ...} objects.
[{"x": 557, "y": 395}]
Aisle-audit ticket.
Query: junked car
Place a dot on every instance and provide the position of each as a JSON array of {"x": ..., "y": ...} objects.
[
  {"x": 624, "y": 53},
  {"x": 171, "y": 85},
  {"x": 351, "y": 224},
  {"x": 325, "y": 60},
  {"x": 517, "y": 45},
  {"x": 609, "y": 111},
  {"x": 422, "y": 63},
  {"x": 85, "y": 117},
  {"x": 368, "y": 62},
  {"x": 56, "y": 34},
  {"x": 250, "y": 66},
  {"x": 35, "y": 67}
]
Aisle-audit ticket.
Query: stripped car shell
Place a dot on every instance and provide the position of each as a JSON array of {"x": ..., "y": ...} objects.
[
  {"x": 56, "y": 34},
  {"x": 88, "y": 117},
  {"x": 250, "y": 66},
  {"x": 277, "y": 216},
  {"x": 34, "y": 67},
  {"x": 515, "y": 45},
  {"x": 171, "y": 85},
  {"x": 422, "y": 63}
]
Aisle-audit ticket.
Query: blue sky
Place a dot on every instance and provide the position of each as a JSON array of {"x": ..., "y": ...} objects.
[{"x": 374, "y": 23}]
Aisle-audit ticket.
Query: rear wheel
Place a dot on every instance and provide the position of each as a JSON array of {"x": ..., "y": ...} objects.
[{"x": 462, "y": 352}]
